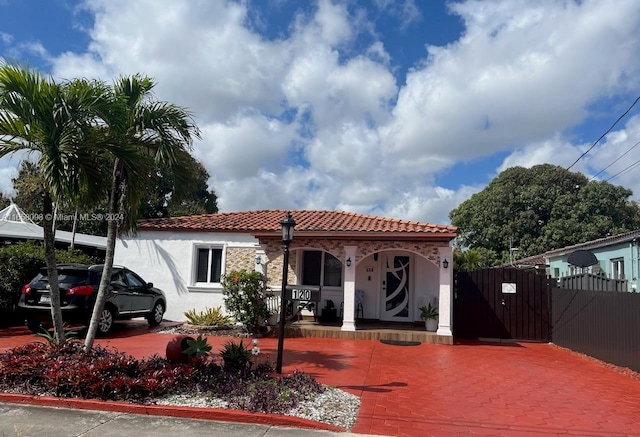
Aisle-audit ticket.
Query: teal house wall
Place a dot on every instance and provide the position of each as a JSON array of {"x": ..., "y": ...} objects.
[{"x": 618, "y": 257}]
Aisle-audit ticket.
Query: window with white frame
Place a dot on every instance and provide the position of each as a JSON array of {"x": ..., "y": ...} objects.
[
  {"x": 321, "y": 268},
  {"x": 617, "y": 268},
  {"x": 208, "y": 265}
]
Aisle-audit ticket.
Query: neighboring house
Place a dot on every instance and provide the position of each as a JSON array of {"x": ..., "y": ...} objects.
[
  {"x": 617, "y": 255},
  {"x": 398, "y": 265},
  {"x": 15, "y": 225}
]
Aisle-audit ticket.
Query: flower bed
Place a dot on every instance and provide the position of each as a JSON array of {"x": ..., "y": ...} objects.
[{"x": 69, "y": 371}]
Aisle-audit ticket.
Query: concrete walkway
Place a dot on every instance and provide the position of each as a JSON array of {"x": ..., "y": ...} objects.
[
  {"x": 31, "y": 421},
  {"x": 500, "y": 389}
]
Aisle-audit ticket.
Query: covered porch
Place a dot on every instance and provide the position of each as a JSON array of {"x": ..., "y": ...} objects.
[{"x": 369, "y": 288}]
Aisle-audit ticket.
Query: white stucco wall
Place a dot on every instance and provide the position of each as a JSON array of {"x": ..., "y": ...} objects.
[
  {"x": 427, "y": 284},
  {"x": 167, "y": 260}
]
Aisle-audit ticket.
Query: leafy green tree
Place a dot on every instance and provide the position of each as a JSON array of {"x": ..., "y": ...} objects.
[
  {"x": 141, "y": 134},
  {"x": 50, "y": 121},
  {"x": 29, "y": 187},
  {"x": 542, "y": 208},
  {"x": 473, "y": 259},
  {"x": 163, "y": 200},
  {"x": 159, "y": 200}
]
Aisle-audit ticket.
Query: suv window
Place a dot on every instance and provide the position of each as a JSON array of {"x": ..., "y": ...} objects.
[
  {"x": 65, "y": 276},
  {"x": 134, "y": 281},
  {"x": 118, "y": 279}
]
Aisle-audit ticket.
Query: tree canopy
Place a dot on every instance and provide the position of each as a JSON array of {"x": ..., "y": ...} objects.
[
  {"x": 141, "y": 135},
  {"x": 161, "y": 199},
  {"x": 542, "y": 208},
  {"x": 76, "y": 131}
]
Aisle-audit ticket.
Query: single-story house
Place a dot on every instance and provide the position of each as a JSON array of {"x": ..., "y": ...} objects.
[
  {"x": 391, "y": 267},
  {"x": 618, "y": 258}
]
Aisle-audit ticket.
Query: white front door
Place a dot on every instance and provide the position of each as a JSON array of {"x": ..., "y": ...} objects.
[{"x": 396, "y": 287}]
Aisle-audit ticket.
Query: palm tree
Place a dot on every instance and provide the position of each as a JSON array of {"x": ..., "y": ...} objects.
[
  {"x": 140, "y": 133},
  {"x": 49, "y": 122}
]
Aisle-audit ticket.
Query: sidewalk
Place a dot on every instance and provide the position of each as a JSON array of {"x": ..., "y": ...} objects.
[
  {"x": 501, "y": 389},
  {"x": 30, "y": 421}
]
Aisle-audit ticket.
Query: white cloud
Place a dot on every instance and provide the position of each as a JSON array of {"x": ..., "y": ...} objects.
[
  {"x": 244, "y": 146},
  {"x": 8, "y": 171},
  {"x": 5, "y": 38},
  {"x": 615, "y": 159},
  {"x": 307, "y": 121},
  {"x": 406, "y": 11},
  {"x": 519, "y": 74},
  {"x": 554, "y": 150}
]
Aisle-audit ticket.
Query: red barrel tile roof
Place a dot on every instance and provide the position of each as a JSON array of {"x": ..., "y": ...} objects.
[{"x": 306, "y": 221}]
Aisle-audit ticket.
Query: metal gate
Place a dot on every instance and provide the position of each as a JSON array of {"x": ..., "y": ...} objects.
[{"x": 501, "y": 303}]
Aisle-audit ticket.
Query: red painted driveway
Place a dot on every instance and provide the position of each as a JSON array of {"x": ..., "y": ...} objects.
[{"x": 505, "y": 389}]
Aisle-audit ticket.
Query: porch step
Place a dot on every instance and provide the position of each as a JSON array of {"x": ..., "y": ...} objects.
[{"x": 365, "y": 332}]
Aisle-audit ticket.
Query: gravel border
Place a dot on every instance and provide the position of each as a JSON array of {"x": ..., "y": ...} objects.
[{"x": 333, "y": 406}]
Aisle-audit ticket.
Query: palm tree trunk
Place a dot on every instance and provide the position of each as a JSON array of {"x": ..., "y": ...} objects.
[
  {"x": 52, "y": 270},
  {"x": 73, "y": 231},
  {"x": 105, "y": 280}
]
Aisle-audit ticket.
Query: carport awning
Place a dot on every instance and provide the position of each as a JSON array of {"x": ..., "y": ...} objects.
[{"x": 15, "y": 224}]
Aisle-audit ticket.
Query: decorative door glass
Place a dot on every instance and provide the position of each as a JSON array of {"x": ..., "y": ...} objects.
[{"x": 395, "y": 305}]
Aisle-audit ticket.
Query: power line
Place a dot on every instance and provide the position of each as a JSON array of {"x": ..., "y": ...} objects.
[
  {"x": 625, "y": 170},
  {"x": 603, "y": 135},
  {"x": 619, "y": 158}
]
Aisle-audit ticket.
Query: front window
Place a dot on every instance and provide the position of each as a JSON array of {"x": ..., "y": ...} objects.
[
  {"x": 208, "y": 264},
  {"x": 321, "y": 268}
]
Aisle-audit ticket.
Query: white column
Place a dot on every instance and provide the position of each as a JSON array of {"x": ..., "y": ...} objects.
[
  {"x": 446, "y": 293},
  {"x": 349, "y": 286}
]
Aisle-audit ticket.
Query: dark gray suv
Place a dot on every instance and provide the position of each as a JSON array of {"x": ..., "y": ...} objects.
[{"x": 129, "y": 296}]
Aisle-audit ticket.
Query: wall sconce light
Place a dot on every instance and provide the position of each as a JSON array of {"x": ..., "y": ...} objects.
[
  {"x": 445, "y": 263},
  {"x": 348, "y": 262}
]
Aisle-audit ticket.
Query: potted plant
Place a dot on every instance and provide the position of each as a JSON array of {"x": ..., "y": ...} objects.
[
  {"x": 176, "y": 347},
  {"x": 429, "y": 314},
  {"x": 184, "y": 348}
]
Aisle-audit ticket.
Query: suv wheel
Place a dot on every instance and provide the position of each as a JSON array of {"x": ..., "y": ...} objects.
[
  {"x": 155, "y": 317},
  {"x": 105, "y": 323},
  {"x": 34, "y": 326}
]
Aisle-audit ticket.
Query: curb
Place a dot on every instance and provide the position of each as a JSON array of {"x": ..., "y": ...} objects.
[{"x": 225, "y": 415}]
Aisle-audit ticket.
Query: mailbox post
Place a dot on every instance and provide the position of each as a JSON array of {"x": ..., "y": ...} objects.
[{"x": 287, "y": 235}]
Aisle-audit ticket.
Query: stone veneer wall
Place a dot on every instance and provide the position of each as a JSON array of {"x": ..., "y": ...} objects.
[
  {"x": 274, "y": 269},
  {"x": 240, "y": 258},
  {"x": 365, "y": 248}
]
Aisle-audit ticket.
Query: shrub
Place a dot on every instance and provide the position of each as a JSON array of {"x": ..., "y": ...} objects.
[
  {"x": 244, "y": 297},
  {"x": 212, "y": 317},
  {"x": 236, "y": 356}
]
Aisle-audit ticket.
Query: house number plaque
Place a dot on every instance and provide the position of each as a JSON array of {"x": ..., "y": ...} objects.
[{"x": 299, "y": 292}]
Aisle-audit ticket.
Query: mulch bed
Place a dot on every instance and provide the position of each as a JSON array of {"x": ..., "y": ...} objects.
[{"x": 619, "y": 369}]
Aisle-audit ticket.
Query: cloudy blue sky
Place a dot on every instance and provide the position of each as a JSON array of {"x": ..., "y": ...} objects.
[{"x": 397, "y": 108}]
